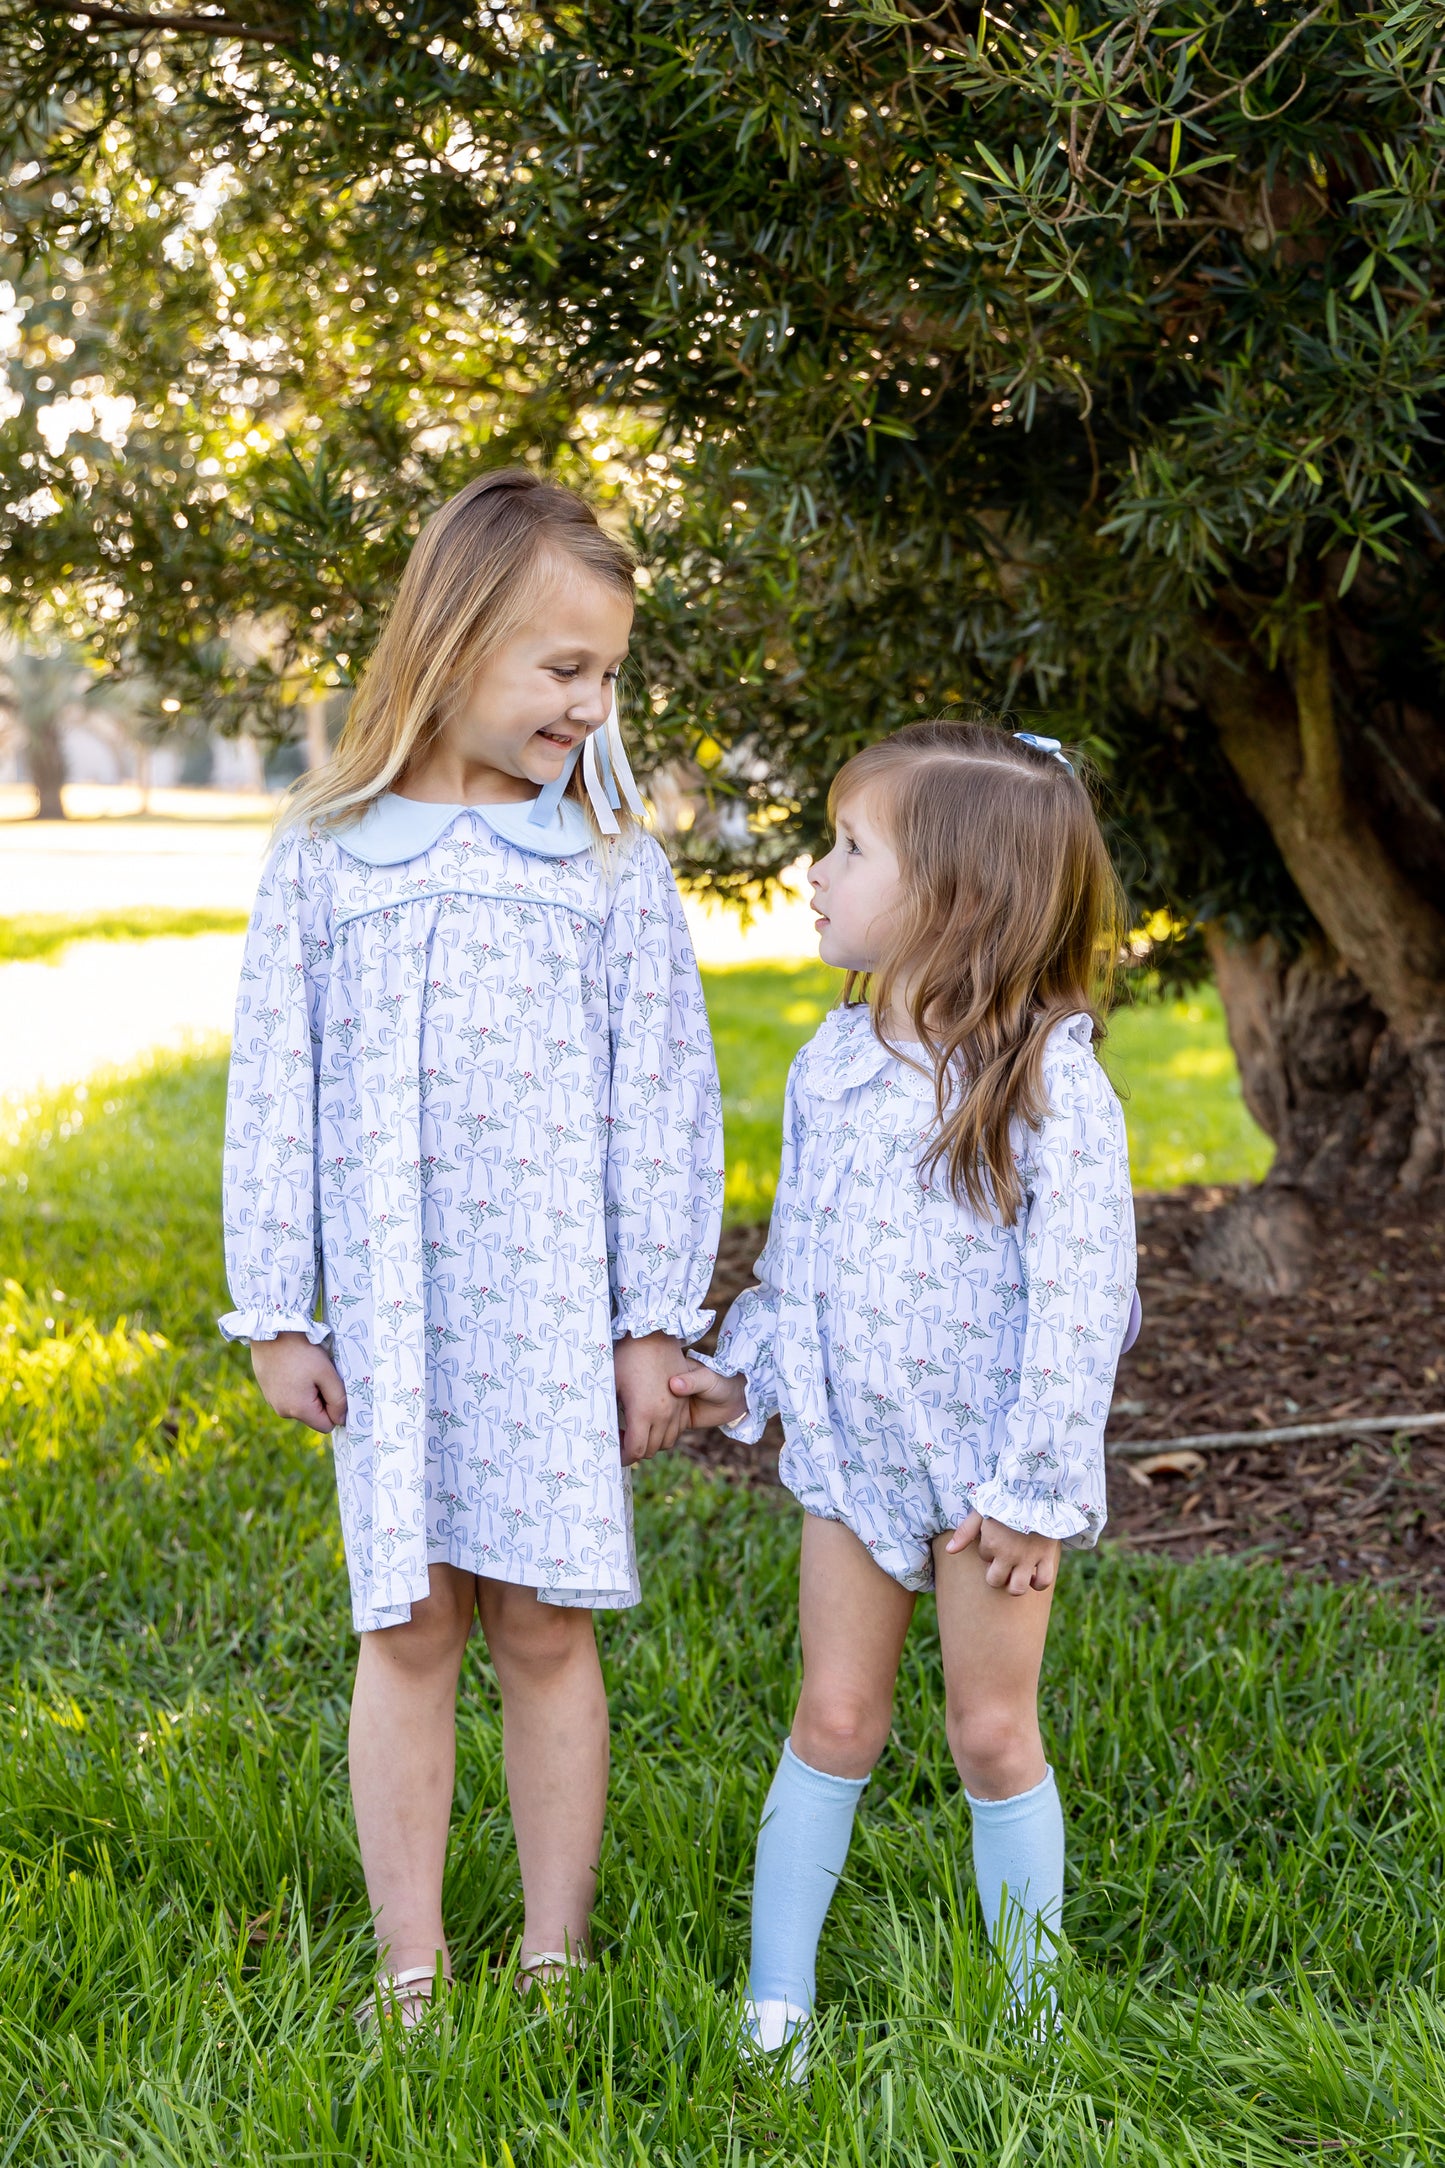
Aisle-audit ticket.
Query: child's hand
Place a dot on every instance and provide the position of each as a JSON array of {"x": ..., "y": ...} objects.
[
  {"x": 1014, "y": 1561},
  {"x": 300, "y": 1380},
  {"x": 715, "y": 1400},
  {"x": 650, "y": 1419}
]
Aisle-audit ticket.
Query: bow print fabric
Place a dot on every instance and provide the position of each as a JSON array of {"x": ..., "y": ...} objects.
[
  {"x": 925, "y": 1361},
  {"x": 473, "y": 1103}
]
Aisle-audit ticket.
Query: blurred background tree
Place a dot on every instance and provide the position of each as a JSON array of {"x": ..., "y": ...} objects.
[
  {"x": 40, "y": 688},
  {"x": 1085, "y": 362}
]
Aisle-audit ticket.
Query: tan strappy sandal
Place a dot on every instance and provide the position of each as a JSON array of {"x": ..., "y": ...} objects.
[
  {"x": 410, "y": 1998},
  {"x": 548, "y": 1975}
]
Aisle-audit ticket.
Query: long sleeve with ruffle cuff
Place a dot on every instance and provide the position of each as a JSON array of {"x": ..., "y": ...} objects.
[
  {"x": 1036, "y": 1510},
  {"x": 1078, "y": 1257},
  {"x": 251, "y": 1325},
  {"x": 663, "y": 1177},
  {"x": 746, "y": 1347},
  {"x": 269, "y": 1179}
]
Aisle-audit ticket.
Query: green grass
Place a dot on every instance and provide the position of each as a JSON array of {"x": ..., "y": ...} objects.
[
  {"x": 1187, "y": 1119},
  {"x": 42, "y": 935},
  {"x": 1254, "y": 1791},
  {"x": 761, "y": 1014}
]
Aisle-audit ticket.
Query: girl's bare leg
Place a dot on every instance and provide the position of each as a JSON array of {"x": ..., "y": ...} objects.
[
  {"x": 854, "y": 1620},
  {"x": 403, "y": 1763},
  {"x": 993, "y": 1645},
  {"x": 993, "y": 1649},
  {"x": 555, "y": 1738}
]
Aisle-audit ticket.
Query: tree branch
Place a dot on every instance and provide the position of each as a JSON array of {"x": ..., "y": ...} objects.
[
  {"x": 1280, "y": 741},
  {"x": 1245, "y": 80},
  {"x": 1314, "y": 698}
]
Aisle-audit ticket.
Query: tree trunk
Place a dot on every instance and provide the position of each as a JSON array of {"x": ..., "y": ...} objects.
[
  {"x": 1324, "y": 1076},
  {"x": 1325, "y": 1058},
  {"x": 1320, "y": 1069},
  {"x": 45, "y": 758}
]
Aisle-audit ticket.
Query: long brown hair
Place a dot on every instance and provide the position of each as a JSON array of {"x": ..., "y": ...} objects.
[
  {"x": 473, "y": 577},
  {"x": 1011, "y": 918}
]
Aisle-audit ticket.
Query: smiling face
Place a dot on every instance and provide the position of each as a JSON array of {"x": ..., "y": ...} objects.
[
  {"x": 856, "y": 888},
  {"x": 533, "y": 700}
]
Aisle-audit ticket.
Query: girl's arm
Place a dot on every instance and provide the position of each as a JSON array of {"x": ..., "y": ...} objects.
[
  {"x": 270, "y": 1157},
  {"x": 1079, "y": 1267},
  {"x": 663, "y": 1177},
  {"x": 738, "y": 1387}
]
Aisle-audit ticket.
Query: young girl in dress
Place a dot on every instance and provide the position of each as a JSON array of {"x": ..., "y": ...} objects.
[
  {"x": 474, "y": 1110},
  {"x": 943, "y": 1298}
]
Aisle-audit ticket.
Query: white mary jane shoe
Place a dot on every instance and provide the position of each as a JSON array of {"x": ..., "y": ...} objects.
[{"x": 777, "y": 2028}]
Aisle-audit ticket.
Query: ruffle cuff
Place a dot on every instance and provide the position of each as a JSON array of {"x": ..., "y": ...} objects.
[
  {"x": 1033, "y": 1511},
  {"x": 634, "y": 1319},
  {"x": 249, "y": 1325},
  {"x": 749, "y": 1427}
]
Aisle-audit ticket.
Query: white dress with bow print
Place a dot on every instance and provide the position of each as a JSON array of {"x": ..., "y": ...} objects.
[
  {"x": 473, "y": 1093},
  {"x": 926, "y": 1361}
]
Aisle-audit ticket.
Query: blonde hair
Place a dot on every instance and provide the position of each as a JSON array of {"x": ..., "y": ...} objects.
[
  {"x": 1011, "y": 917},
  {"x": 472, "y": 580}
]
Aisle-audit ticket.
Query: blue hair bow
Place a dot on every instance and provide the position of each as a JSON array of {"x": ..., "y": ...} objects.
[{"x": 1045, "y": 745}]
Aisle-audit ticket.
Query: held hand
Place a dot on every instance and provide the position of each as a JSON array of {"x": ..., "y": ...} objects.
[
  {"x": 1015, "y": 1562},
  {"x": 649, "y": 1418},
  {"x": 300, "y": 1380},
  {"x": 714, "y": 1399}
]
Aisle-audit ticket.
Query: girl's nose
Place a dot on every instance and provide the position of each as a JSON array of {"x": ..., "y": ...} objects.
[
  {"x": 816, "y": 877},
  {"x": 592, "y": 706}
]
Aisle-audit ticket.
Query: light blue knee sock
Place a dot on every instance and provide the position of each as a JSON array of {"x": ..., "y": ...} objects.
[
  {"x": 1018, "y": 1859},
  {"x": 807, "y": 1823},
  {"x": 1018, "y": 1852}
]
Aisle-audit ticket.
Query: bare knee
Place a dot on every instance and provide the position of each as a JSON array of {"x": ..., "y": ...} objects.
[
  {"x": 433, "y": 1638},
  {"x": 996, "y": 1750},
  {"x": 530, "y": 1640},
  {"x": 840, "y": 1731}
]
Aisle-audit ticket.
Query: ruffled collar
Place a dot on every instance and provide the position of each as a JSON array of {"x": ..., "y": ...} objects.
[
  {"x": 846, "y": 1052},
  {"x": 394, "y": 829}
]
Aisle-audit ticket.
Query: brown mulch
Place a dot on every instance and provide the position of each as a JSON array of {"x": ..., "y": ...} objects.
[{"x": 1365, "y": 1337}]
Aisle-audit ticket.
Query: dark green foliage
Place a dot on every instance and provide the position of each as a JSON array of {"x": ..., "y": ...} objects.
[{"x": 1022, "y": 372}]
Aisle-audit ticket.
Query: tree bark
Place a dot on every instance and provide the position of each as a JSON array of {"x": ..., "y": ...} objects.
[
  {"x": 1321, "y": 1071},
  {"x": 1324, "y": 1076},
  {"x": 1278, "y": 732}
]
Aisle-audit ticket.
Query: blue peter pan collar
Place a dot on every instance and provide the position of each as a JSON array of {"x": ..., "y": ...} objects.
[{"x": 394, "y": 829}]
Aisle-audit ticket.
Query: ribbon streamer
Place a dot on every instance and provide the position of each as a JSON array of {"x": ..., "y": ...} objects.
[{"x": 606, "y": 773}]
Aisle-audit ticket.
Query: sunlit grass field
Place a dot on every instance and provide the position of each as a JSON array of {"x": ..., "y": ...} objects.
[
  {"x": 1171, "y": 1060},
  {"x": 43, "y": 935},
  {"x": 1256, "y": 1809}
]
